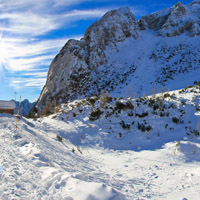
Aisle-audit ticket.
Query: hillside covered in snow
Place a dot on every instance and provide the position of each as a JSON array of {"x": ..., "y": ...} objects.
[
  {"x": 106, "y": 149},
  {"x": 125, "y": 56}
]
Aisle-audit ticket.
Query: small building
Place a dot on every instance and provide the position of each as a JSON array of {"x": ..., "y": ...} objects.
[{"x": 7, "y": 106}]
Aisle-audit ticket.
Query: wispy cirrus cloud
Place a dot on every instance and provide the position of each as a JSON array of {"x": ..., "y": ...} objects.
[
  {"x": 20, "y": 55},
  {"x": 28, "y": 23},
  {"x": 30, "y": 82},
  {"x": 36, "y": 24},
  {"x": 58, "y": 3},
  {"x": 35, "y": 74}
]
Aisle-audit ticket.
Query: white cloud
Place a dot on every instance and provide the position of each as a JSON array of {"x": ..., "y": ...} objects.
[
  {"x": 35, "y": 24},
  {"x": 84, "y": 14},
  {"x": 28, "y": 63},
  {"x": 67, "y": 2},
  {"x": 29, "y": 23},
  {"x": 35, "y": 74},
  {"x": 74, "y": 2},
  {"x": 27, "y": 82}
]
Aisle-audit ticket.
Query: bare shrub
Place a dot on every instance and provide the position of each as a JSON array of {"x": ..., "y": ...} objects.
[{"x": 105, "y": 98}]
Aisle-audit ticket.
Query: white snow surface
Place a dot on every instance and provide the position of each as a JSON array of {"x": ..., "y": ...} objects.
[
  {"x": 95, "y": 162},
  {"x": 140, "y": 54}
]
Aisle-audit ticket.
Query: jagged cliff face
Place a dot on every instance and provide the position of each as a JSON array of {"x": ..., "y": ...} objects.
[
  {"x": 74, "y": 71},
  {"x": 118, "y": 52},
  {"x": 174, "y": 21}
]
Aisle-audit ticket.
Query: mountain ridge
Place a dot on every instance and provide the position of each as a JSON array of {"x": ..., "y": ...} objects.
[
  {"x": 117, "y": 50},
  {"x": 25, "y": 107}
]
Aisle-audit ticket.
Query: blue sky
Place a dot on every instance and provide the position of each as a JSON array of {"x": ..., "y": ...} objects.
[{"x": 33, "y": 31}]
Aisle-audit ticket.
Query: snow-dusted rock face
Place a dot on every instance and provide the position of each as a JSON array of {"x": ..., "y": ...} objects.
[
  {"x": 119, "y": 53},
  {"x": 174, "y": 21},
  {"x": 71, "y": 72},
  {"x": 115, "y": 26}
]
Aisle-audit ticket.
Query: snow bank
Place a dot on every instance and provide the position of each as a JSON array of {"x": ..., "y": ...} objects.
[{"x": 81, "y": 190}]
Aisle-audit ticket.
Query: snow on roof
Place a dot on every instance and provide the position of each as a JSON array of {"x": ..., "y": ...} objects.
[{"x": 7, "y": 104}]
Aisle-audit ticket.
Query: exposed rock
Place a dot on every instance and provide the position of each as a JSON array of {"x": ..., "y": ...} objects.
[
  {"x": 179, "y": 9},
  {"x": 154, "y": 21},
  {"x": 195, "y": 2},
  {"x": 195, "y": 30},
  {"x": 73, "y": 72},
  {"x": 173, "y": 21},
  {"x": 115, "y": 26},
  {"x": 117, "y": 50}
]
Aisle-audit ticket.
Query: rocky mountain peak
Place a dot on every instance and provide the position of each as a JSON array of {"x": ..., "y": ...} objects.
[
  {"x": 115, "y": 26},
  {"x": 79, "y": 60},
  {"x": 117, "y": 50},
  {"x": 195, "y": 2},
  {"x": 174, "y": 21},
  {"x": 179, "y": 10}
]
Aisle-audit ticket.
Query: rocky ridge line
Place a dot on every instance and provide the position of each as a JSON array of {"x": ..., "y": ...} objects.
[{"x": 76, "y": 71}]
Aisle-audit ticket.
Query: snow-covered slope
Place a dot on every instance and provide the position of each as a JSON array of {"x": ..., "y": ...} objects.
[
  {"x": 105, "y": 149},
  {"x": 34, "y": 165},
  {"x": 126, "y": 56}
]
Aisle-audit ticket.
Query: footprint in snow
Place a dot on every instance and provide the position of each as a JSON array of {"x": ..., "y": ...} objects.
[
  {"x": 62, "y": 184},
  {"x": 17, "y": 137}
]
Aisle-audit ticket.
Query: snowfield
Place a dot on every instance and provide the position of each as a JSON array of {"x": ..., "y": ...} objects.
[{"x": 98, "y": 149}]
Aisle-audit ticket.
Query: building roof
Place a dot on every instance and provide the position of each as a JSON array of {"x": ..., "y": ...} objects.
[{"x": 7, "y": 105}]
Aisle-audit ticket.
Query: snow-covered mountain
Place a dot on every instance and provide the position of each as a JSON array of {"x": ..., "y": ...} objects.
[
  {"x": 25, "y": 107},
  {"x": 125, "y": 56}
]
